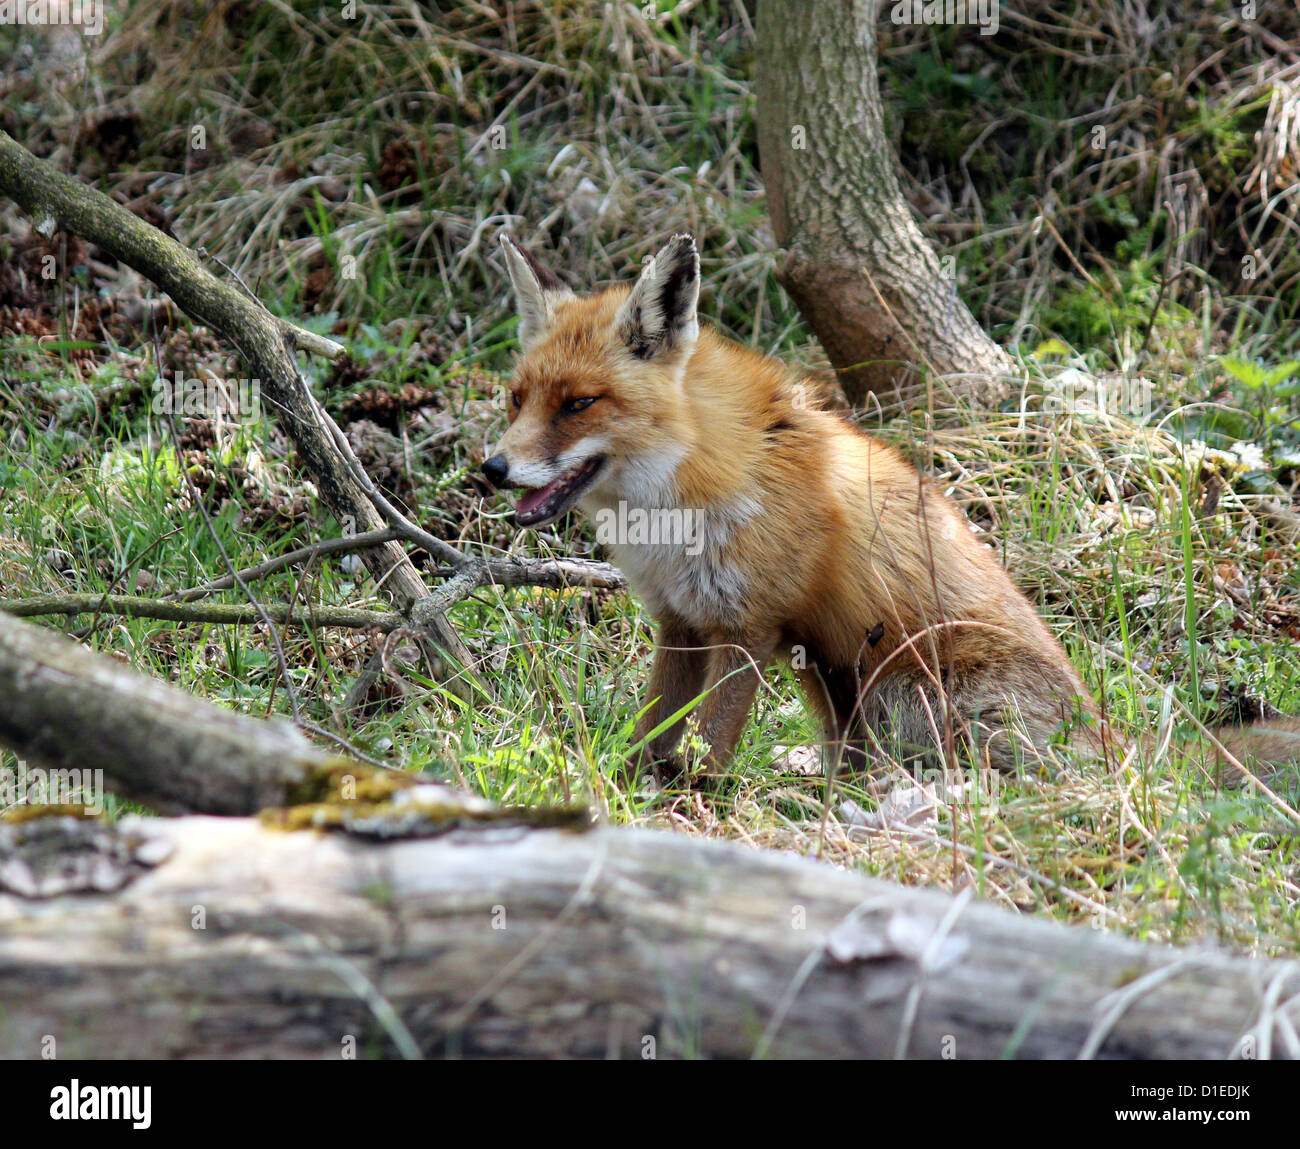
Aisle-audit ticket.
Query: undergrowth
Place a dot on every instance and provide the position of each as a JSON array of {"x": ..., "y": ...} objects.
[{"x": 355, "y": 177}]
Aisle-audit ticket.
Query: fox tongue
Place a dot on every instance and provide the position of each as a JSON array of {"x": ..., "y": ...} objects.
[
  {"x": 529, "y": 501},
  {"x": 544, "y": 503}
]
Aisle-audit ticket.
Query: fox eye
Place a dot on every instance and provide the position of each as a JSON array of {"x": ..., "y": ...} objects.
[
  {"x": 573, "y": 406},
  {"x": 515, "y": 400}
]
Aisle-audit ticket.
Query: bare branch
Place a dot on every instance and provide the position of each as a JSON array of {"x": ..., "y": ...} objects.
[
  {"x": 221, "y": 613},
  {"x": 270, "y": 566}
]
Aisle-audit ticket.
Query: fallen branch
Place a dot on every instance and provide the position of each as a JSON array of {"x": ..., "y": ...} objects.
[
  {"x": 553, "y": 574},
  {"x": 220, "y": 613},
  {"x": 270, "y": 566},
  {"x": 509, "y": 571}
]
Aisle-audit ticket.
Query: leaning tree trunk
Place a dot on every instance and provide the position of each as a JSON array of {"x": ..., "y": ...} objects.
[
  {"x": 855, "y": 262},
  {"x": 55, "y": 199}
]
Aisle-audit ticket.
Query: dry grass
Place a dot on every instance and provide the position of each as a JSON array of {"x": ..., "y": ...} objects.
[
  {"x": 378, "y": 144},
  {"x": 405, "y": 142}
]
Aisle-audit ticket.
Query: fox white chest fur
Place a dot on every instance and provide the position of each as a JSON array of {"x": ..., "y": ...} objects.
[{"x": 677, "y": 558}]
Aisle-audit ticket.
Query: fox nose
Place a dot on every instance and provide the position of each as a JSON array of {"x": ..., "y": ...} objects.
[{"x": 496, "y": 469}]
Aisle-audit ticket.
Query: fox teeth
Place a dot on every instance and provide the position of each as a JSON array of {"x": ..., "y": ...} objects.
[{"x": 544, "y": 503}]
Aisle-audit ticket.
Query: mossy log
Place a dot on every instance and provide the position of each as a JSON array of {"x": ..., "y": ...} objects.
[{"x": 496, "y": 940}]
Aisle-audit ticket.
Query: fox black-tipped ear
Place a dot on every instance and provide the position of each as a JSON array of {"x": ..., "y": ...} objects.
[
  {"x": 659, "y": 315},
  {"x": 537, "y": 291}
]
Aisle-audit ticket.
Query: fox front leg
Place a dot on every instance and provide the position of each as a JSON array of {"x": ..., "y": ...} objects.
[
  {"x": 681, "y": 666},
  {"x": 736, "y": 668}
]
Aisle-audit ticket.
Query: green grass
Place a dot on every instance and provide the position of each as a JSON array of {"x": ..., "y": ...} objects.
[{"x": 377, "y": 155}]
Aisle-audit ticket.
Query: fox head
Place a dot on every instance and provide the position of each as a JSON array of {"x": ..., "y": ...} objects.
[{"x": 596, "y": 405}]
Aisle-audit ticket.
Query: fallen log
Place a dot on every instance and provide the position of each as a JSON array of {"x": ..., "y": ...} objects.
[
  {"x": 369, "y": 913},
  {"x": 495, "y": 940},
  {"x": 66, "y": 708}
]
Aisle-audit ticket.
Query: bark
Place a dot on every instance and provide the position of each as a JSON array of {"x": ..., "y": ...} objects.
[
  {"x": 491, "y": 940},
  {"x": 882, "y": 303},
  {"x": 55, "y": 200},
  {"x": 66, "y": 708}
]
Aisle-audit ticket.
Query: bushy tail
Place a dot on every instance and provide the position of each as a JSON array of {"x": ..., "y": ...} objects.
[
  {"x": 1270, "y": 747},
  {"x": 1272, "y": 740}
]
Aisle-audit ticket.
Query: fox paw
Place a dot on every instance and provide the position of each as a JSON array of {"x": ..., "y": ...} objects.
[{"x": 669, "y": 771}]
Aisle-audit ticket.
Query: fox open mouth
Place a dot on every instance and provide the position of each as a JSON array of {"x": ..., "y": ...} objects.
[{"x": 542, "y": 504}]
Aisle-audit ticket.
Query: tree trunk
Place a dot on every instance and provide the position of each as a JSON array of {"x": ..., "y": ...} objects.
[
  {"x": 510, "y": 941},
  {"x": 882, "y": 303}
]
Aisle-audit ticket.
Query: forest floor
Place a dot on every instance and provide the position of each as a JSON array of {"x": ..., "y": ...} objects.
[{"x": 355, "y": 175}]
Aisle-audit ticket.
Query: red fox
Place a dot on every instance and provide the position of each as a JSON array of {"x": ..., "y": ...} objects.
[{"x": 754, "y": 525}]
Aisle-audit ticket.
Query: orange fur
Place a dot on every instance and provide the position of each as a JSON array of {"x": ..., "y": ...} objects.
[{"x": 817, "y": 543}]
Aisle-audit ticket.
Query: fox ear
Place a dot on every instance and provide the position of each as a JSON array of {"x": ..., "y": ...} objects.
[
  {"x": 659, "y": 315},
  {"x": 537, "y": 291}
]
